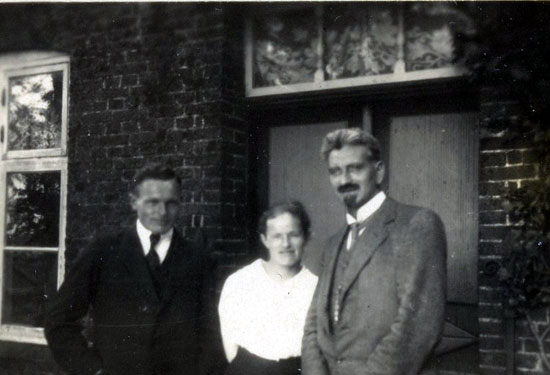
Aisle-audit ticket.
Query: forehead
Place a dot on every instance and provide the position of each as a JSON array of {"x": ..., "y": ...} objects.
[
  {"x": 156, "y": 187},
  {"x": 349, "y": 154},
  {"x": 283, "y": 222}
]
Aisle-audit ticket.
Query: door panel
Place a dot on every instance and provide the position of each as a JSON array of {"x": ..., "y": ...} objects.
[
  {"x": 433, "y": 163},
  {"x": 296, "y": 172}
]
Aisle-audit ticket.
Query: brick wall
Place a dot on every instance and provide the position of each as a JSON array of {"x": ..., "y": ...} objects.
[
  {"x": 505, "y": 162},
  {"x": 148, "y": 82}
]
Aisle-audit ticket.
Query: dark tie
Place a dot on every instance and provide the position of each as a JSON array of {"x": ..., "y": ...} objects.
[
  {"x": 154, "y": 262},
  {"x": 355, "y": 229}
]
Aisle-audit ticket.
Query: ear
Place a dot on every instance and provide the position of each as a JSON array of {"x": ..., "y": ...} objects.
[
  {"x": 380, "y": 172},
  {"x": 133, "y": 201},
  {"x": 263, "y": 239}
]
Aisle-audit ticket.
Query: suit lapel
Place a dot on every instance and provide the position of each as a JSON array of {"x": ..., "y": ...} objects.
[
  {"x": 333, "y": 245},
  {"x": 175, "y": 268},
  {"x": 366, "y": 245},
  {"x": 134, "y": 260}
]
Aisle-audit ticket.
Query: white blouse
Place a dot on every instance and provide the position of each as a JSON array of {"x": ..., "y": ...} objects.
[{"x": 263, "y": 315}]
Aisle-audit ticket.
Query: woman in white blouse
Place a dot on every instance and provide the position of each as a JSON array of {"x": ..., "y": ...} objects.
[{"x": 263, "y": 305}]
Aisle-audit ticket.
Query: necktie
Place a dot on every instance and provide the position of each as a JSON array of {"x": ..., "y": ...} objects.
[
  {"x": 354, "y": 230},
  {"x": 154, "y": 261}
]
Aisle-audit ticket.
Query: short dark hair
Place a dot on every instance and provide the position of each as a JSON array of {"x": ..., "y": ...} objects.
[
  {"x": 337, "y": 139},
  {"x": 293, "y": 208},
  {"x": 153, "y": 171}
]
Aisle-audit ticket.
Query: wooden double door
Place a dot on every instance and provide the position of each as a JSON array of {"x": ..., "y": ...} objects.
[{"x": 430, "y": 147}]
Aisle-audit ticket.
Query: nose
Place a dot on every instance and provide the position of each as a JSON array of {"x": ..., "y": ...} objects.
[
  {"x": 161, "y": 208},
  {"x": 345, "y": 178},
  {"x": 286, "y": 241}
]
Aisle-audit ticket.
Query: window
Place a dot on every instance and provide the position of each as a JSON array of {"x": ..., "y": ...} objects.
[
  {"x": 33, "y": 188},
  {"x": 296, "y": 48}
]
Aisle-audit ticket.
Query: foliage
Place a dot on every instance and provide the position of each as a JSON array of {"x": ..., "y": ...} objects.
[
  {"x": 35, "y": 111},
  {"x": 510, "y": 49}
]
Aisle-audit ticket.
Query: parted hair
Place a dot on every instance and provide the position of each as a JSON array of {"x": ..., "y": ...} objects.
[
  {"x": 154, "y": 171},
  {"x": 293, "y": 208},
  {"x": 339, "y": 138}
]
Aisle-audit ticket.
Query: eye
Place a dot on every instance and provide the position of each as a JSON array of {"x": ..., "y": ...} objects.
[
  {"x": 334, "y": 171},
  {"x": 354, "y": 168}
]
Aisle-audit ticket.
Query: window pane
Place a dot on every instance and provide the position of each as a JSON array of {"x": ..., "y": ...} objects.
[
  {"x": 285, "y": 48},
  {"x": 360, "y": 40},
  {"x": 429, "y": 34},
  {"x": 35, "y": 103},
  {"x": 29, "y": 277},
  {"x": 32, "y": 214}
]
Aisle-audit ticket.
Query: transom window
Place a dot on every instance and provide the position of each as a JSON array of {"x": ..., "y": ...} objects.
[
  {"x": 294, "y": 48},
  {"x": 33, "y": 184}
]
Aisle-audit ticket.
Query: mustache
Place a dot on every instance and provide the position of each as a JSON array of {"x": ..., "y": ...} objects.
[{"x": 347, "y": 188}]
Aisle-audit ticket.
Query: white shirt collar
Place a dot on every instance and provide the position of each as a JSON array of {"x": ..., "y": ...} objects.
[
  {"x": 367, "y": 209},
  {"x": 163, "y": 245}
]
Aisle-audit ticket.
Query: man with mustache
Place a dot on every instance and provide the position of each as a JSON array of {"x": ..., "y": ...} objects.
[
  {"x": 379, "y": 304},
  {"x": 145, "y": 290}
]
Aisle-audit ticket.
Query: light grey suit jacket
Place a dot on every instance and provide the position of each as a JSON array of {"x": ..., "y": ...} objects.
[{"x": 392, "y": 300}]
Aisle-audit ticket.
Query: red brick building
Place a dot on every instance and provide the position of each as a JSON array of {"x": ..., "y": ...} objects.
[{"x": 238, "y": 107}]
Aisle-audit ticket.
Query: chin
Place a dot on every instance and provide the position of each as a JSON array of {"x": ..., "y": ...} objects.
[{"x": 350, "y": 201}]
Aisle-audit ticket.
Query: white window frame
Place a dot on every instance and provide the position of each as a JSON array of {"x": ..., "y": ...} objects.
[
  {"x": 23, "y": 161},
  {"x": 319, "y": 83}
]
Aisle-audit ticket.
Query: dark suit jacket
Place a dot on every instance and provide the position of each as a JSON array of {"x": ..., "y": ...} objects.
[
  {"x": 392, "y": 300},
  {"x": 134, "y": 331}
]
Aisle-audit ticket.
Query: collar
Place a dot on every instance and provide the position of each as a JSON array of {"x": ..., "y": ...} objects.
[
  {"x": 144, "y": 237},
  {"x": 366, "y": 210}
]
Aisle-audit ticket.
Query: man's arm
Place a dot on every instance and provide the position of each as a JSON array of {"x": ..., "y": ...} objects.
[
  {"x": 313, "y": 362},
  {"x": 421, "y": 281},
  {"x": 67, "y": 307},
  {"x": 211, "y": 353}
]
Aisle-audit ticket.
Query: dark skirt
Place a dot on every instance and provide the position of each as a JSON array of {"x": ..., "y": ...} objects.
[{"x": 246, "y": 363}]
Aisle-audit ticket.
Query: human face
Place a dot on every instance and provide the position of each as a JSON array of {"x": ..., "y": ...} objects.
[
  {"x": 354, "y": 176},
  {"x": 157, "y": 204},
  {"x": 284, "y": 240}
]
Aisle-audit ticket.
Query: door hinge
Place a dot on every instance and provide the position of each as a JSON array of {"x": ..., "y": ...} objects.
[
  {"x": 1, "y": 134},
  {"x": 3, "y": 97}
]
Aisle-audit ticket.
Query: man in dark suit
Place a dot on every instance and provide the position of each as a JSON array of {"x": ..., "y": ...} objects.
[
  {"x": 144, "y": 289},
  {"x": 379, "y": 304}
]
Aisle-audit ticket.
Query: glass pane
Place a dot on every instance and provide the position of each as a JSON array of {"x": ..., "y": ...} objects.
[
  {"x": 360, "y": 40},
  {"x": 429, "y": 29},
  {"x": 28, "y": 278},
  {"x": 285, "y": 48},
  {"x": 32, "y": 214},
  {"x": 35, "y": 103}
]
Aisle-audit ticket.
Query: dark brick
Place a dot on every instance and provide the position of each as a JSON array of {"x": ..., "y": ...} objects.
[
  {"x": 493, "y": 233},
  {"x": 507, "y": 173},
  {"x": 492, "y": 217},
  {"x": 492, "y": 159},
  {"x": 491, "y": 343},
  {"x": 493, "y": 358},
  {"x": 532, "y": 156},
  {"x": 503, "y": 143},
  {"x": 530, "y": 345},
  {"x": 491, "y": 328},
  {"x": 520, "y": 371},
  {"x": 514, "y": 157},
  {"x": 129, "y": 80},
  {"x": 527, "y": 360},
  {"x": 490, "y": 310},
  {"x": 491, "y": 248},
  {"x": 493, "y": 370},
  {"x": 490, "y": 204},
  {"x": 491, "y": 188}
]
